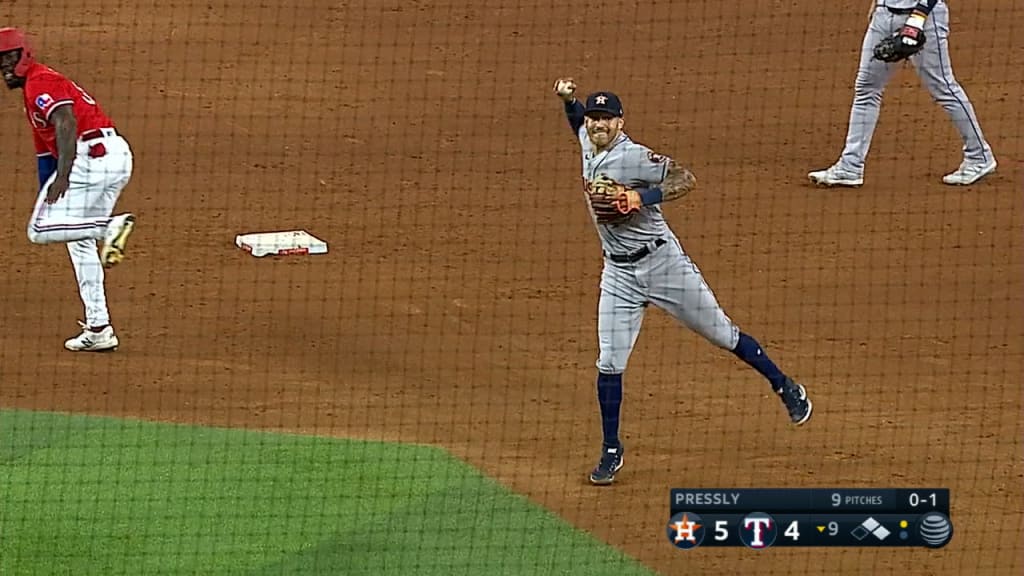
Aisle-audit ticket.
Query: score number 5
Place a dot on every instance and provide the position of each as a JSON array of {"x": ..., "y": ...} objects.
[{"x": 721, "y": 530}]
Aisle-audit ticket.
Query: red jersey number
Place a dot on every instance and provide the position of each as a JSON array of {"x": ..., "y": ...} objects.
[
  {"x": 85, "y": 95},
  {"x": 36, "y": 119}
]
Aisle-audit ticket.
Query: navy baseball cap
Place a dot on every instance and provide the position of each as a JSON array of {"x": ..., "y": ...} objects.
[{"x": 603, "y": 102}]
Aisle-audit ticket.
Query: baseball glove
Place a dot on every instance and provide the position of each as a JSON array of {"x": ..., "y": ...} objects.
[
  {"x": 894, "y": 49},
  {"x": 611, "y": 201}
]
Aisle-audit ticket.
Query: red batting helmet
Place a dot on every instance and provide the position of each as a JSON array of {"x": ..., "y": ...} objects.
[{"x": 14, "y": 39}]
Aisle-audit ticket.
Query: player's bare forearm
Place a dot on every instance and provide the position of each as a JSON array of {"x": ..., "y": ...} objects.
[
  {"x": 66, "y": 129},
  {"x": 678, "y": 182}
]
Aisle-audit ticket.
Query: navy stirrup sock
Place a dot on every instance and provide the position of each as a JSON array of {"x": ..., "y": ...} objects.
[
  {"x": 609, "y": 395},
  {"x": 748, "y": 350}
]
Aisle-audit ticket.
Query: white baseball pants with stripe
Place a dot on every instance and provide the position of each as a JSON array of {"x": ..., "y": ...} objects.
[{"x": 81, "y": 216}]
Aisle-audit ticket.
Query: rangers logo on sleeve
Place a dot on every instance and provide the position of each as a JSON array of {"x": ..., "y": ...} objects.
[{"x": 43, "y": 101}]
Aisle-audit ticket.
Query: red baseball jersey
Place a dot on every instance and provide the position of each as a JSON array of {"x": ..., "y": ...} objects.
[{"x": 45, "y": 90}]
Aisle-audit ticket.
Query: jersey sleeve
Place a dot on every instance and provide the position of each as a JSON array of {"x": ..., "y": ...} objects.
[
  {"x": 926, "y": 6},
  {"x": 574, "y": 114},
  {"x": 644, "y": 166},
  {"x": 40, "y": 144},
  {"x": 49, "y": 94}
]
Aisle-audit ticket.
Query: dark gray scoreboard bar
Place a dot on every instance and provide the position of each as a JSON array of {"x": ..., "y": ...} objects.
[{"x": 763, "y": 518}]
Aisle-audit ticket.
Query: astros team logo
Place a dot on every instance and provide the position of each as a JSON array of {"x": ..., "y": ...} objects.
[
  {"x": 655, "y": 158},
  {"x": 685, "y": 530},
  {"x": 758, "y": 530}
]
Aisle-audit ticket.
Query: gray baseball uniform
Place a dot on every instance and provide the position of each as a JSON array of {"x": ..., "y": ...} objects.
[
  {"x": 644, "y": 262},
  {"x": 933, "y": 67}
]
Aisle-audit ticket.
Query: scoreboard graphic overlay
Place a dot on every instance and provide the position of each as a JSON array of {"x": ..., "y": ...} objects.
[{"x": 763, "y": 518}]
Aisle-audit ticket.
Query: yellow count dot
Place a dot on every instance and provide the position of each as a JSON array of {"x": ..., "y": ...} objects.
[{"x": 903, "y": 523}]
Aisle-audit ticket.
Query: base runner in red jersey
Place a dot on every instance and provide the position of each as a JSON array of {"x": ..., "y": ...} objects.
[{"x": 83, "y": 164}]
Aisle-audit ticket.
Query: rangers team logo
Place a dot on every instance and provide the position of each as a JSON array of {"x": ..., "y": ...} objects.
[
  {"x": 655, "y": 158},
  {"x": 685, "y": 530},
  {"x": 43, "y": 101},
  {"x": 758, "y": 530}
]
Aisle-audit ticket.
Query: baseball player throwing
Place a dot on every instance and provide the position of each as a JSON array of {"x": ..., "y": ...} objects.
[
  {"x": 83, "y": 166},
  {"x": 917, "y": 30},
  {"x": 644, "y": 263}
]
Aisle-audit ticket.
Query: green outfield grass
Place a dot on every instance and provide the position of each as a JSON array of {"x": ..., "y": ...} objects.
[{"x": 87, "y": 495}]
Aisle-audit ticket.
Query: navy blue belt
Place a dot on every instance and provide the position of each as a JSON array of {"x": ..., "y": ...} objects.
[
  {"x": 636, "y": 256},
  {"x": 900, "y": 11}
]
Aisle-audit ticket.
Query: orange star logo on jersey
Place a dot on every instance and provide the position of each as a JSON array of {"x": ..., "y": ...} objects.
[
  {"x": 655, "y": 158},
  {"x": 601, "y": 99},
  {"x": 685, "y": 529}
]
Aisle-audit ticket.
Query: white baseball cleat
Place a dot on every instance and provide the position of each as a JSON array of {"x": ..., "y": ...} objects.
[
  {"x": 835, "y": 176},
  {"x": 115, "y": 239},
  {"x": 93, "y": 340},
  {"x": 968, "y": 173}
]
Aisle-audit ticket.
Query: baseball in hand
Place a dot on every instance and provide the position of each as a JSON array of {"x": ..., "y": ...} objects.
[{"x": 565, "y": 88}]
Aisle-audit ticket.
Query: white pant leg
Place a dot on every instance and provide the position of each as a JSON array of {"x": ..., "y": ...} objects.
[
  {"x": 94, "y": 187},
  {"x": 872, "y": 78},
  {"x": 936, "y": 72},
  {"x": 85, "y": 259}
]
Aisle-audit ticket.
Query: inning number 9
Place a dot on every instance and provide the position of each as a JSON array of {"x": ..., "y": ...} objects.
[
  {"x": 836, "y": 499},
  {"x": 833, "y": 528}
]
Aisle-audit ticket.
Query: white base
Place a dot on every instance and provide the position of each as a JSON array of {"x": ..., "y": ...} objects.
[{"x": 292, "y": 242}]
